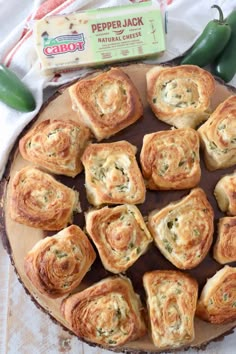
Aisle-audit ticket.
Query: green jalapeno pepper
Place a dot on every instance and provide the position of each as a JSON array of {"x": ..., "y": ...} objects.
[
  {"x": 13, "y": 91},
  {"x": 225, "y": 64},
  {"x": 211, "y": 42}
]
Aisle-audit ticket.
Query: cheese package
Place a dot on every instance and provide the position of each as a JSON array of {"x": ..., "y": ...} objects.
[{"x": 99, "y": 36}]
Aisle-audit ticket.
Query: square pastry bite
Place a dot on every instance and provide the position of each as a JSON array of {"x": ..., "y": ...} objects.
[
  {"x": 225, "y": 247},
  {"x": 171, "y": 301},
  {"x": 183, "y": 230},
  {"x": 217, "y": 302},
  {"x": 39, "y": 200},
  {"x": 119, "y": 234},
  {"x": 112, "y": 175},
  {"x": 225, "y": 194},
  {"x": 218, "y": 136},
  {"x": 106, "y": 103},
  {"x": 56, "y": 145},
  {"x": 180, "y": 95},
  {"x": 170, "y": 159},
  {"x": 108, "y": 313},
  {"x": 57, "y": 264}
]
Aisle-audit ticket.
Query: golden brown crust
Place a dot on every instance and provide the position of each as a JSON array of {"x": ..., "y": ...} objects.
[
  {"x": 217, "y": 303},
  {"x": 183, "y": 231},
  {"x": 39, "y": 200},
  {"x": 180, "y": 95},
  {"x": 112, "y": 175},
  {"x": 225, "y": 247},
  {"x": 171, "y": 301},
  {"x": 57, "y": 264},
  {"x": 218, "y": 137},
  {"x": 56, "y": 145},
  {"x": 224, "y": 192},
  {"x": 170, "y": 159},
  {"x": 120, "y": 235},
  {"x": 107, "y": 103},
  {"x": 108, "y": 313}
]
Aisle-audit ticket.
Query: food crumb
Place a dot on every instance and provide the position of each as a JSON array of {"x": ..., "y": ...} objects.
[{"x": 64, "y": 344}]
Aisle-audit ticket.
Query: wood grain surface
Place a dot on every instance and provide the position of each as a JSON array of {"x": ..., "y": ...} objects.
[{"x": 19, "y": 239}]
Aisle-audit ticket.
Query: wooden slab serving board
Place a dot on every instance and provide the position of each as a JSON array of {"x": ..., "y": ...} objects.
[{"x": 19, "y": 239}]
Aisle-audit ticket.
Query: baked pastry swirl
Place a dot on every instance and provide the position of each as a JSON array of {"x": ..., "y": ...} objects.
[
  {"x": 120, "y": 235},
  {"x": 108, "y": 313},
  {"x": 217, "y": 303},
  {"x": 57, "y": 264},
  {"x": 218, "y": 136},
  {"x": 170, "y": 159},
  {"x": 180, "y": 95},
  {"x": 183, "y": 230},
  {"x": 112, "y": 175},
  {"x": 56, "y": 145},
  {"x": 107, "y": 103},
  {"x": 225, "y": 247},
  {"x": 40, "y": 201},
  {"x": 171, "y": 301},
  {"x": 225, "y": 194}
]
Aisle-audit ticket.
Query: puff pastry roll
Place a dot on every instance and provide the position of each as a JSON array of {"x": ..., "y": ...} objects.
[
  {"x": 108, "y": 313},
  {"x": 106, "y": 103},
  {"x": 57, "y": 264},
  {"x": 225, "y": 194},
  {"x": 180, "y": 95},
  {"x": 120, "y": 235},
  {"x": 218, "y": 136},
  {"x": 183, "y": 230},
  {"x": 56, "y": 145},
  {"x": 170, "y": 159},
  {"x": 225, "y": 247},
  {"x": 38, "y": 200},
  {"x": 112, "y": 175},
  {"x": 217, "y": 303},
  {"x": 171, "y": 301}
]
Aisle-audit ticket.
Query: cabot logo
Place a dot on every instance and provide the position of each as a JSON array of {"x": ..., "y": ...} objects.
[{"x": 63, "y": 44}]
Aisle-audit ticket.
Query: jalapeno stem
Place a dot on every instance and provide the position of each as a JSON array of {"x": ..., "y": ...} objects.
[
  {"x": 210, "y": 43},
  {"x": 221, "y": 15}
]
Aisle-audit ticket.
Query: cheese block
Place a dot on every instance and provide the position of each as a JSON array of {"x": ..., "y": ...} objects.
[{"x": 98, "y": 36}]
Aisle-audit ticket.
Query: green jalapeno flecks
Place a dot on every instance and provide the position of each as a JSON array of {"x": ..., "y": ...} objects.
[
  {"x": 225, "y": 64},
  {"x": 13, "y": 92},
  {"x": 211, "y": 42}
]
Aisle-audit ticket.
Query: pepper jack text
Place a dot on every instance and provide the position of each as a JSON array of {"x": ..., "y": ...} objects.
[{"x": 97, "y": 37}]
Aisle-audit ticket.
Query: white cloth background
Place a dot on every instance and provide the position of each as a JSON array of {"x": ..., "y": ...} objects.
[{"x": 186, "y": 19}]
